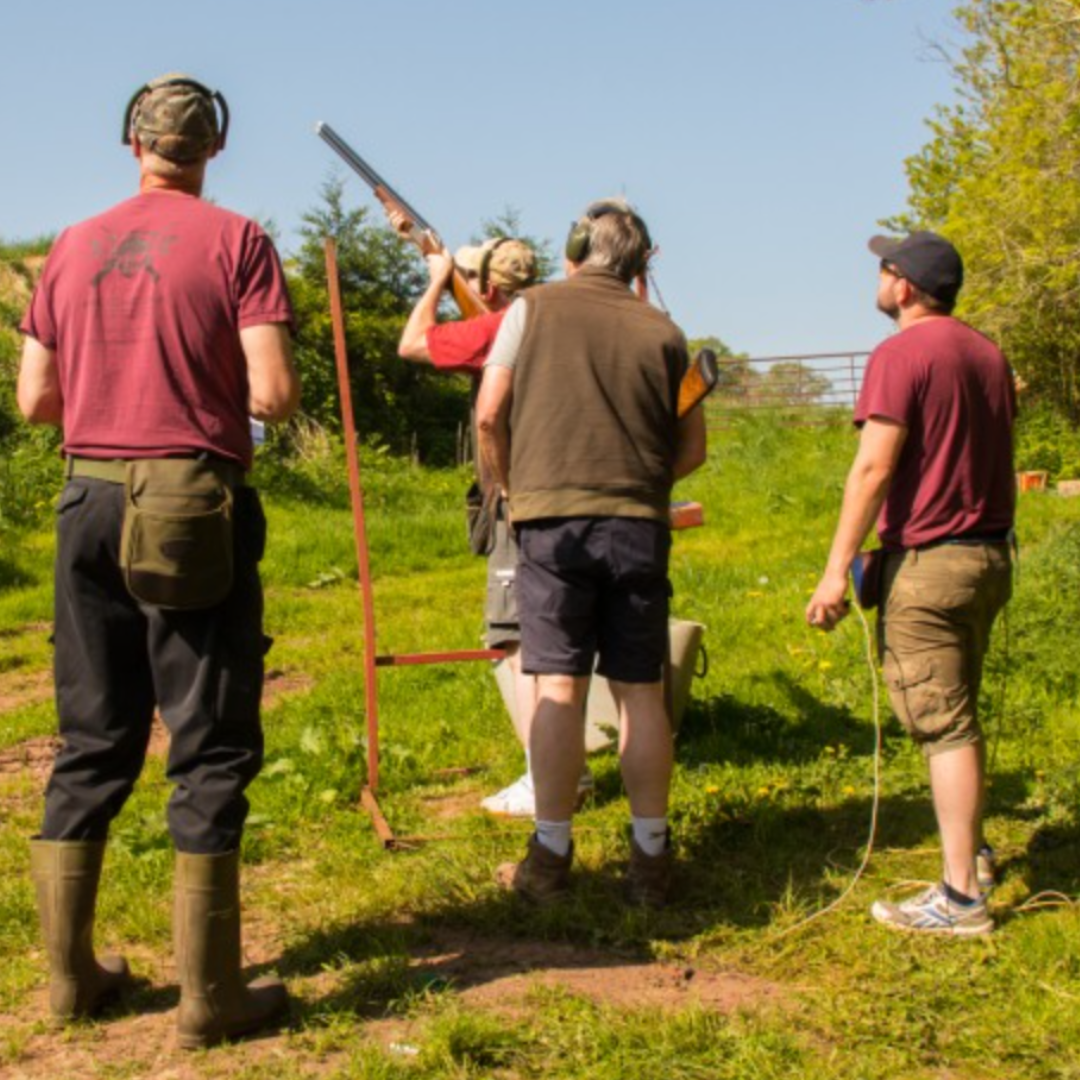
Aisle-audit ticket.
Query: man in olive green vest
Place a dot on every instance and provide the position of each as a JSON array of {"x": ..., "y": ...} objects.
[{"x": 585, "y": 375}]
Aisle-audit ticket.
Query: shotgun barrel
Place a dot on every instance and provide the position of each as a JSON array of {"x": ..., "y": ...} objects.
[{"x": 367, "y": 173}]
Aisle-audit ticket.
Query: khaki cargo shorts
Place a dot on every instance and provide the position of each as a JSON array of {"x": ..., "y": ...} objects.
[{"x": 933, "y": 632}]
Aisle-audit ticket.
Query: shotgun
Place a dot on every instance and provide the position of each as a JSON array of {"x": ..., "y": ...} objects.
[
  {"x": 699, "y": 381},
  {"x": 419, "y": 231}
]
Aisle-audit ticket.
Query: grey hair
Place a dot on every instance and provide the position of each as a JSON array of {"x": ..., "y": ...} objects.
[{"x": 619, "y": 242}]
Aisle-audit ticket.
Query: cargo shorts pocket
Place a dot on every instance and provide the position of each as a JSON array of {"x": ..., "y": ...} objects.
[
  {"x": 917, "y": 696},
  {"x": 176, "y": 546}
]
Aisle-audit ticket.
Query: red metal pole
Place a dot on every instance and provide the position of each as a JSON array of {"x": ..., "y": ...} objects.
[{"x": 352, "y": 456}]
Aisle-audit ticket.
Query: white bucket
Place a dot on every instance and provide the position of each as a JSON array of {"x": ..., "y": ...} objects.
[{"x": 601, "y": 715}]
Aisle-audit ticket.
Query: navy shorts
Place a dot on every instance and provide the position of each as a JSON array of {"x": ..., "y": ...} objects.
[{"x": 594, "y": 586}]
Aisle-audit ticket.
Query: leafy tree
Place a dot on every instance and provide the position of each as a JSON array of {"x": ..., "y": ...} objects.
[
  {"x": 396, "y": 403},
  {"x": 736, "y": 376},
  {"x": 791, "y": 382},
  {"x": 999, "y": 178}
]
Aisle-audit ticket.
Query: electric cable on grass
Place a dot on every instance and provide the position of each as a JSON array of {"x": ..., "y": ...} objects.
[{"x": 875, "y": 803}]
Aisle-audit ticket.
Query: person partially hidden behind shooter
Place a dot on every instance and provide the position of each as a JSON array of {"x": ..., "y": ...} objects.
[
  {"x": 156, "y": 329},
  {"x": 497, "y": 270}
]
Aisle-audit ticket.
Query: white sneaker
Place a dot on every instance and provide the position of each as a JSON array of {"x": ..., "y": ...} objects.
[
  {"x": 518, "y": 800},
  {"x": 932, "y": 912}
]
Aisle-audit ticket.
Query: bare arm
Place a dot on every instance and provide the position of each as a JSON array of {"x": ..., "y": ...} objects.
[
  {"x": 867, "y": 484},
  {"x": 273, "y": 382},
  {"x": 413, "y": 344},
  {"x": 38, "y": 391},
  {"x": 493, "y": 421},
  {"x": 691, "y": 443}
]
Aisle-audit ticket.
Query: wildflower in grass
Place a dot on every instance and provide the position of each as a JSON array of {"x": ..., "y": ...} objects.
[
  {"x": 824, "y": 665},
  {"x": 847, "y": 790},
  {"x": 712, "y": 789}
]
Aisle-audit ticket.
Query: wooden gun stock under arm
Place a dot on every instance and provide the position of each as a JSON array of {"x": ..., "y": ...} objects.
[
  {"x": 419, "y": 231},
  {"x": 698, "y": 382}
]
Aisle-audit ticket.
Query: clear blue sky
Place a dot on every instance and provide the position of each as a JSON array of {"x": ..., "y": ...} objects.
[{"x": 761, "y": 139}]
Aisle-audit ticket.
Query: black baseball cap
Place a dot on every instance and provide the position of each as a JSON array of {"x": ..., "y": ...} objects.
[{"x": 927, "y": 260}]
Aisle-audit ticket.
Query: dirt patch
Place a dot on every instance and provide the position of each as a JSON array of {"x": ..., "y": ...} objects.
[
  {"x": 498, "y": 974},
  {"x": 455, "y": 805},
  {"x": 26, "y": 628},
  {"x": 32, "y": 756},
  {"x": 491, "y": 974},
  {"x": 280, "y": 683},
  {"x": 19, "y": 688}
]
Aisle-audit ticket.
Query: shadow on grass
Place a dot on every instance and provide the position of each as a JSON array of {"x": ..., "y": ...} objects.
[
  {"x": 1052, "y": 860},
  {"x": 12, "y": 576},
  {"x": 743, "y": 869},
  {"x": 723, "y": 728}
]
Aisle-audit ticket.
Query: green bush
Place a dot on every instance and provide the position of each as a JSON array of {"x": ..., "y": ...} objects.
[{"x": 1045, "y": 439}]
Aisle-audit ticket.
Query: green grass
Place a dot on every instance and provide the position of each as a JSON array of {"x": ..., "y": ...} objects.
[{"x": 770, "y": 807}]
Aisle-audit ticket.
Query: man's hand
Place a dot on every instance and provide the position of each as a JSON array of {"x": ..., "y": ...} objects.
[
  {"x": 828, "y": 606},
  {"x": 440, "y": 265}
]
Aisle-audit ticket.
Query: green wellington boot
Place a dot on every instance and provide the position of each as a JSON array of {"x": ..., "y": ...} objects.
[
  {"x": 66, "y": 875},
  {"x": 215, "y": 1004}
]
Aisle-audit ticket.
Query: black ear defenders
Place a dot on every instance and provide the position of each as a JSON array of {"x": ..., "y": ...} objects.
[
  {"x": 578, "y": 240},
  {"x": 485, "y": 263},
  {"x": 180, "y": 80}
]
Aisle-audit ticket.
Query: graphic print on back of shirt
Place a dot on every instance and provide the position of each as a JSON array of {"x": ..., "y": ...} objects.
[{"x": 131, "y": 254}]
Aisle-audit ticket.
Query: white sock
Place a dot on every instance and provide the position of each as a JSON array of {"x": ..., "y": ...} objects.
[
  {"x": 650, "y": 834},
  {"x": 554, "y": 835}
]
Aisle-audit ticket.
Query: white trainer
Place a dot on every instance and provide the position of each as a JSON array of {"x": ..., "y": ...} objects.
[{"x": 518, "y": 800}]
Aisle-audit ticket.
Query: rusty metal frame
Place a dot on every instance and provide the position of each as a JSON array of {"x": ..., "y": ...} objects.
[{"x": 372, "y": 659}]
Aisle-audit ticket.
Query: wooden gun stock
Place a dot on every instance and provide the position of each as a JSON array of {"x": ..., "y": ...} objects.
[
  {"x": 418, "y": 231},
  {"x": 698, "y": 382}
]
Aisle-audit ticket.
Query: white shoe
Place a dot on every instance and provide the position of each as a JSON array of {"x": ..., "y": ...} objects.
[{"x": 518, "y": 800}]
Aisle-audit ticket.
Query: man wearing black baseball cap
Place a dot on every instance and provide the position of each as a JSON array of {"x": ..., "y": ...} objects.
[{"x": 934, "y": 469}]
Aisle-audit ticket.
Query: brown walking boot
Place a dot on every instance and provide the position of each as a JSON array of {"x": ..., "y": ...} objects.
[
  {"x": 215, "y": 1004},
  {"x": 542, "y": 876},
  {"x": 66, "y": 875},
  {"x": 648, "y": 878}
]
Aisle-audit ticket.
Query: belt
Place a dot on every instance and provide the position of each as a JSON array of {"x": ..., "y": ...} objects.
[
  {"x": 114, "y": 470},
  {"x": 1006, "y": 536}
]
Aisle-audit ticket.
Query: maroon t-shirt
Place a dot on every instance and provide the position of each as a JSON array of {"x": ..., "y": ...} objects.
[
  {"x": 952, "y": 389},
  {"x": 143, "y": 306},
  {"x": 464, "y": 346}
]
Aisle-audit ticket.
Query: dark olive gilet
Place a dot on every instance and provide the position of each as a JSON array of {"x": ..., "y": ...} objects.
[{"x": 593, "y": 417}]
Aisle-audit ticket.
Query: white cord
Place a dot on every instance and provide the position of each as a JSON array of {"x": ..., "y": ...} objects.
[{"x": 802, "y": 923}]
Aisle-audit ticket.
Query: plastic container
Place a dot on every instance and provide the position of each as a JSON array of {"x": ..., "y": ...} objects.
[{"x": 601, "y": 715}]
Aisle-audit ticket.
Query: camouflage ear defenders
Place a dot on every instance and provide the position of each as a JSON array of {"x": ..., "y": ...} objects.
[
  {"x": 174, "y": 116},
  {"x": 577, "y": 242}
]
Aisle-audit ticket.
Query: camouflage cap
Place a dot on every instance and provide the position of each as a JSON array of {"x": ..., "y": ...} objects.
[
  {"x": 508, "y": 264},
  {"x": 175, "y": 117}
]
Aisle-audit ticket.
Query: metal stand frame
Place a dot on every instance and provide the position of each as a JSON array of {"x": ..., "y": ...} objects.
[{"x": 372, "y": 659}]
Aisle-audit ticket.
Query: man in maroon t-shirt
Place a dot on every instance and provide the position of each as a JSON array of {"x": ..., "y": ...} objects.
[
  {"x": 157, "y": 328},
  {"x": 498, "y": 270},
  {"x": 934, "y": 469}
]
